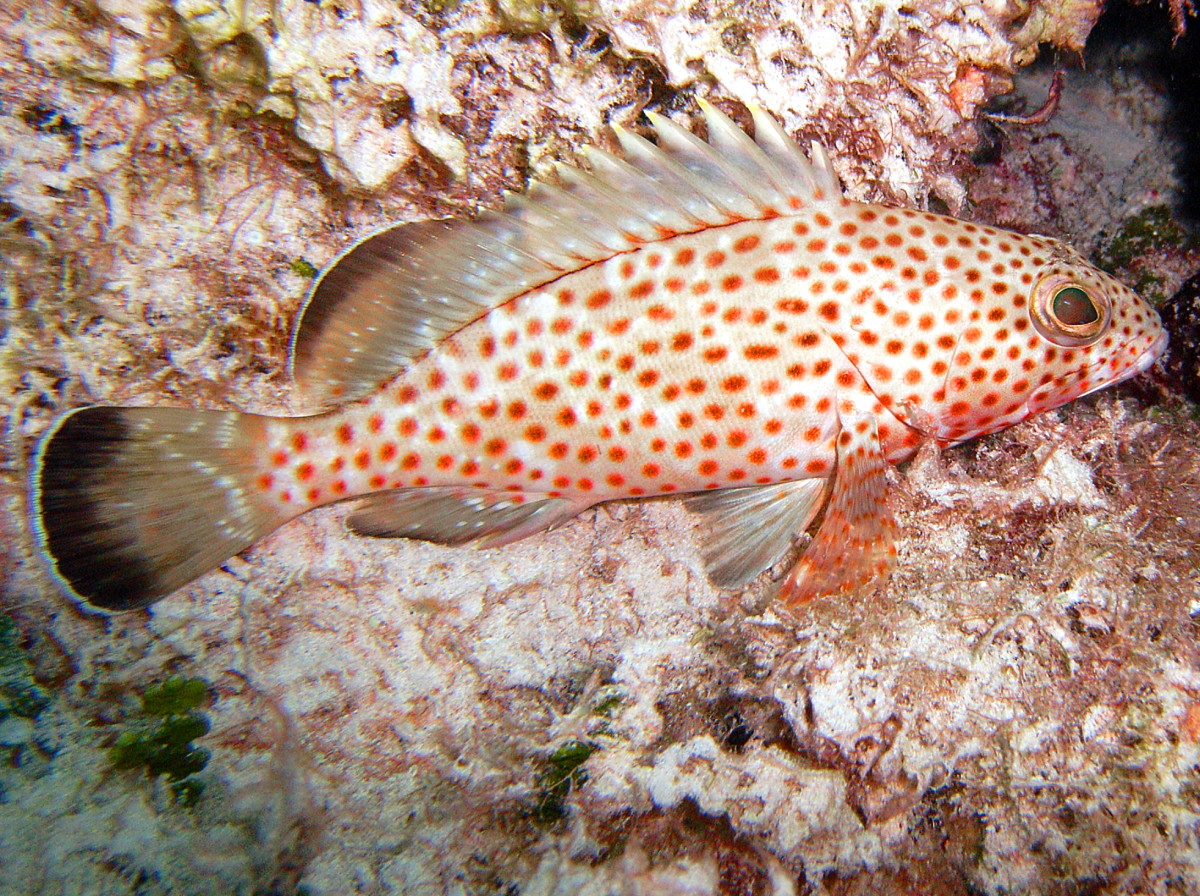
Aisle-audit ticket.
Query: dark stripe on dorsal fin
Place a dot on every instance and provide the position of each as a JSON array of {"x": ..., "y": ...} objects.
[{"x": 394, "y": 295}]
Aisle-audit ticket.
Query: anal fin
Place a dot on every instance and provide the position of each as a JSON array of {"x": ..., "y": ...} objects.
[
  {"x": 456, "y": 516},
  {"x": 855, "y": 544},
  {"x": 748, "y": 529}
]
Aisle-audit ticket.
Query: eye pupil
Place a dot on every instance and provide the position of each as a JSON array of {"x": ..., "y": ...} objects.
[{"x": 1074, "y": 308}]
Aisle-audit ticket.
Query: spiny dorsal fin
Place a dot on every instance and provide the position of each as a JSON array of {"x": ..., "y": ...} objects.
[{"x": 394, "y": 295}]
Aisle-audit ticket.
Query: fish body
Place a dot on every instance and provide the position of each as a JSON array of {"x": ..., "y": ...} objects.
[{"x": 747, "y": 337}]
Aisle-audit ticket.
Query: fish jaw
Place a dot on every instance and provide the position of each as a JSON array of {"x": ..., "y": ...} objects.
[{"x": 1147, "y": 359}]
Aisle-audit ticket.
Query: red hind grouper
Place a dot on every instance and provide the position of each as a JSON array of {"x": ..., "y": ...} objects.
[{"x": 707, "y": 319}]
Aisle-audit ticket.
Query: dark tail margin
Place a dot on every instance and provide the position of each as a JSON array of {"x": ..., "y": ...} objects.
[{"x": 129, "y": 504}]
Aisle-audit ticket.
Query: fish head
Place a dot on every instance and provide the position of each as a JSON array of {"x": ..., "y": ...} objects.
[
  {"x": 1036, "y": 336},
  {"x": 1094, "y": 331}
]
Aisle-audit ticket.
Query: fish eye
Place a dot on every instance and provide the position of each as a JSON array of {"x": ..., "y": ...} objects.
[
  {"x": 1068, "y": 313},
  {"x": 1073, "y": 307}
]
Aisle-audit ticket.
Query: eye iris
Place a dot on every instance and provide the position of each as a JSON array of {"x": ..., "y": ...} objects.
[{"x": 1074, "y": 308}]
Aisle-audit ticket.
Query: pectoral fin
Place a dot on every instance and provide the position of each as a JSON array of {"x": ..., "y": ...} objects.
[
  {"x": 454, "y": 516},
  {"x": 855, "y": 543},
  {"x": 748, "y": 529}
]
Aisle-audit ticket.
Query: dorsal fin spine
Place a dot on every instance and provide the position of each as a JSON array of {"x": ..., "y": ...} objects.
[
  {"x": 671, "y": 177},
  {"x": 656, "y": 206},
  {"x": 770, "y": 136},
  {"x": 601, "y": 230},
  {"x": 710, "y": 174},
  {"x": 735, "y": 146}
]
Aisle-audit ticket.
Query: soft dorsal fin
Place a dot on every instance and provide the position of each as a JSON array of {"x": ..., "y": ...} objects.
[{"x": 394, "y": 295}]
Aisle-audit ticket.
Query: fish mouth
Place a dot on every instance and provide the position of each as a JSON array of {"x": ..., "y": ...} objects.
[
  {"x": 1146, "y": 359},
  {"x": 1141, "y": 364}
]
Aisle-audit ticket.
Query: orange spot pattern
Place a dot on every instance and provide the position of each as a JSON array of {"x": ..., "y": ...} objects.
[{"x": 705, "y": 360}]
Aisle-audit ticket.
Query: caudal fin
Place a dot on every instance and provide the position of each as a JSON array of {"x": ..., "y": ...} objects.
[{"x": 131, "y": 503}]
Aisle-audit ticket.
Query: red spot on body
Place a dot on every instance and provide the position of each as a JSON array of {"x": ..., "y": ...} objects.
[
  {"x": 760, "y": 352},
  {"x": 714, "y": 354}
]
